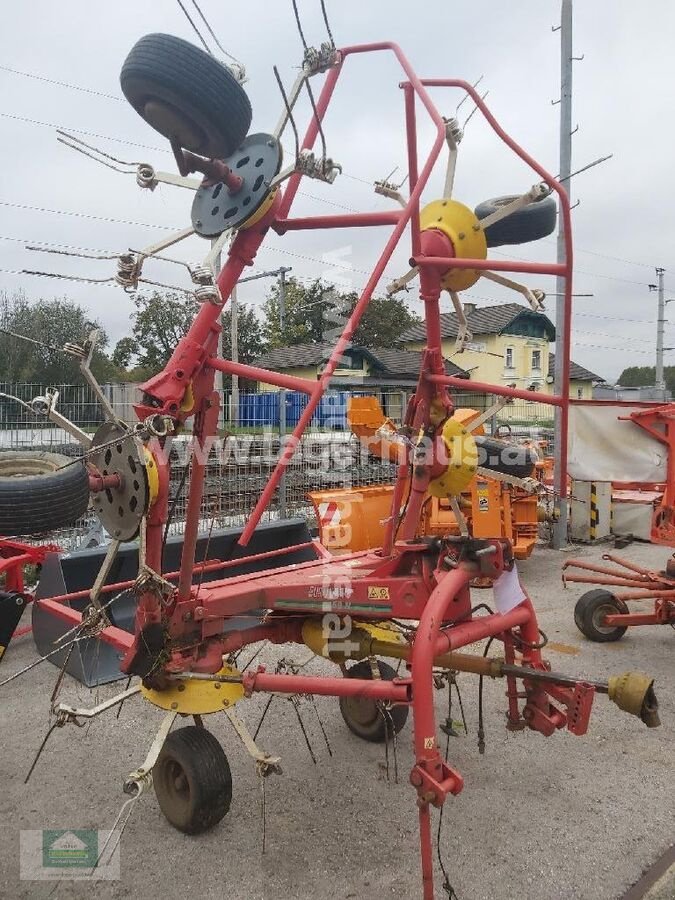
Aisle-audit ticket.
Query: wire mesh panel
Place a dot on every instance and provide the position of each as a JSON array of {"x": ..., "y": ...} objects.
[{"x": 241, "y": 460}]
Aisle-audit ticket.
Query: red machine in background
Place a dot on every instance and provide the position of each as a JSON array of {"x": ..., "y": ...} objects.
[
  {"x": 604, "y": 615},
  {"x": 15, "y": 558}
]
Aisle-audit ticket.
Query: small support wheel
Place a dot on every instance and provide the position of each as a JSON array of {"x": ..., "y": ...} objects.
[
  {"x": 186, "y": 95},
  {"x": 363, "y": 716},
  {"x": 590, "y": 610},
  {"x": 192, "y": 780}
]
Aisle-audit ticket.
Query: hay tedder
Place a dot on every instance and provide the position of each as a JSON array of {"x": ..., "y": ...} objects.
[{"x": 410, "y": 598}]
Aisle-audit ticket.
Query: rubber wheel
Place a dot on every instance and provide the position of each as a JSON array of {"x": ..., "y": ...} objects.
[
  {"x": 506, "y": 457},
  {"x": 192, "y": 780},
  {"x": 589, "y": 611},
  {"x": 40, "y": 491},
  {"x": 532, "y": 222},
  {"x": 186, "y": 95},
  {"x": 362, "y": 715}
]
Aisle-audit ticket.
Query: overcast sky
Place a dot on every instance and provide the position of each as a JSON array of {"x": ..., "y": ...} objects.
[{"x": 623, "y": 102}]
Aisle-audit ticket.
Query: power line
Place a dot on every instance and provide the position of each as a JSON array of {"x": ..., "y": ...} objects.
[
  {"x": 66, "y": 84},
  {"x": 493, "y": 300},
  {"x": 194, "y": 27},
  {"x": 630, "y": 262},
  {"x": 64, "y": 212},
  {"x": 105, "y": 137},
  {"x": 369, "y": 183}
]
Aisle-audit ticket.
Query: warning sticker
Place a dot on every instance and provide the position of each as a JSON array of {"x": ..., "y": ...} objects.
[
  {"x": 483, "y": 497},
  {"x": 378, "y": 593},
  {"x": 429, "y": 743}
]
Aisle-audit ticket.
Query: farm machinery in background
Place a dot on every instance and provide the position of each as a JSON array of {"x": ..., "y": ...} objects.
[
  {"x": 507, "y": 496},
  {"x": 637, "y": 453},
  {"x": 195, "y": 605}
]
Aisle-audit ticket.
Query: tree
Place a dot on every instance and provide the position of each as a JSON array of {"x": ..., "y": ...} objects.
[
  {"x": 124, "y": 352},
  {"x": 639, "y": 376},
  {"x": 318, "y": 312},
  {"x": 383, "y": 323},
  {"x": 160, "y": 320},
  {"x": 250, "y": 341},
  {"x": 52, "y": 323},
  {"x": 308, "y": 313}
]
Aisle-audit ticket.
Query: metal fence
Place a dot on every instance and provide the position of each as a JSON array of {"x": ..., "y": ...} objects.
[{"x": 242, "y": 459}]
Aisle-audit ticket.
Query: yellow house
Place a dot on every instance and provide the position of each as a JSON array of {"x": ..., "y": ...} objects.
[
  {"x": 509, "y": 346},
  {"x": 385, "y": 368},
  {"x": 385, "y": 372}
]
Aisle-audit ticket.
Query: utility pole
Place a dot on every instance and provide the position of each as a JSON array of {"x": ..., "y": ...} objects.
[
  {"x": 282, "y": 393},
  {"x": 218, "y": 380},
  {"x": 234, "y": 334},
  {"x": 234, "y": 351},
  {"x": 565, "y": 170},
  {"x": 660, "y": 383}
]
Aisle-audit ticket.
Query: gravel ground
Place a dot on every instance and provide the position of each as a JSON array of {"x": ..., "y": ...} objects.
[{"x": 539, "y": 818}]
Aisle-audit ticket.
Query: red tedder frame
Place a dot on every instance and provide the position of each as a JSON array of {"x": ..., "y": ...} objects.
[{"x": 407, "y": 578}]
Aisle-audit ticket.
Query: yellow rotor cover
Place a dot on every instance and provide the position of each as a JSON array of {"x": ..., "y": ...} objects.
[
  {"x": 462, "y": 461},
  {"x": 197, "y": 697},
  {"x": 260, "y": 211},
  {"x": 465, "y": 231},
  {"x": 153, "y": 476}
]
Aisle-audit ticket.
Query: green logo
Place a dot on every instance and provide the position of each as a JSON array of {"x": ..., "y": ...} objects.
[{"x": 77, "y": 848}]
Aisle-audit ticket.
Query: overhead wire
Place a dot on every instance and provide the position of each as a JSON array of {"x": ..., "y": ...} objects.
[
  {"x": 194, "y": 27},
  {"x": 212, "y": 32},
  {"x": 105, "y": 137},
  {"x": 83, "y": 89},
  {"x": 65, "y": 84}
]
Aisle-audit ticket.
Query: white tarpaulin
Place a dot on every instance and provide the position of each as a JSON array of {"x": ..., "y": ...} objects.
[{"x": 603, "y": 447}]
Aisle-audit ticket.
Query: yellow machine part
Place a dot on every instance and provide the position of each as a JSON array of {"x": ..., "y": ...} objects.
[
  {"x": 261, "y": 211},
  {"x": 188, "y": 401},
  {"x": 357, "y": 642},
  {"x": 198, "y": 697},
  {"x": 153, "y": 476},
  {"x": 463, "y": 461},
  {"x": 466, "y": 416},
  {"x": 464, "y": 229}
]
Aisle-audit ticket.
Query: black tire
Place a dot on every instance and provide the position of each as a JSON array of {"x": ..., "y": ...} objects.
[
  {"x": 192, "y": 780},
  {"x": 507, "y": 457},
  {"x": 186, "y": 95},
  {"x": 589, "y": 611},
  {"x": 532, "y": 222},
  {"x": 363, "y": 716},
  {"x": 40, "y": 491}
]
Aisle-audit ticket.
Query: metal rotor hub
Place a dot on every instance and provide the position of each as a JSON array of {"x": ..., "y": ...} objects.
[
  {"x": 215, "y": 208},
  {"x": 116, "y": 451}
]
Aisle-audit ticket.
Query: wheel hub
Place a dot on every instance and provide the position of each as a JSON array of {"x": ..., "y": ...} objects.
[
  {"x": 257, "y": 160},
  {"x": 115, "y": 451},
  {"x": 197, "y": 697}
]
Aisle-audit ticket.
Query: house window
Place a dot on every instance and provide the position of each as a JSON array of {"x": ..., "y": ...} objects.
[
  {"x": 508, "y": 358},
  {"x": 536, "y": 359},
  {"x": 580, "y": 393}
]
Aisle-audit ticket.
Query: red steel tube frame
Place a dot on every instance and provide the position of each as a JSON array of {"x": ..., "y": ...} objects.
[
  {"x": 194, "y": 361},
  {"x": 416, "y": 86},
  {"x": 355, "y": 220}
]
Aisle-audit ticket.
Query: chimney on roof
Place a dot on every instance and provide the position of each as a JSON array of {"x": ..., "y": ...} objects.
[{"x": 469, "y": 308}]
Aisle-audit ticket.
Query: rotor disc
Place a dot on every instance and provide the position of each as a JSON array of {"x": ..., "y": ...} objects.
[
  {"x": 115, "y": 450},
  {"x": 257, "y": 160}
]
